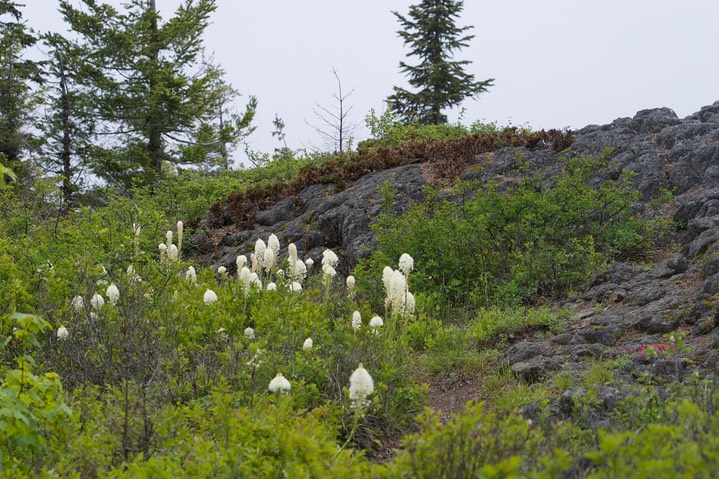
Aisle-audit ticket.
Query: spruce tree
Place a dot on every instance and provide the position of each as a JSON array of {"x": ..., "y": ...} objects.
[
  {"x": 68, "y": 123},
  {"x": 18, "y": 75},
  {"x": 441, "y": 82},
  {"x": 157, "y": 98}
]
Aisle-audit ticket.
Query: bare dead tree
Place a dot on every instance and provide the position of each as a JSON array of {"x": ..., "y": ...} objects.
[{"x": 335, "y": 129}]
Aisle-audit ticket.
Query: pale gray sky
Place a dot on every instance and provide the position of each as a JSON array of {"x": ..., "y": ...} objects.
[{"x": 557, "y": 63}]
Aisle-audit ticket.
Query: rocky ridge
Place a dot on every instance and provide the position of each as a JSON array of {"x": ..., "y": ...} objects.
[{"x": 620, "y": 311}]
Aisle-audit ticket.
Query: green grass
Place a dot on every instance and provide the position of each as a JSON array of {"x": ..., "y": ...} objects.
[{"x": 497, "y": 325}]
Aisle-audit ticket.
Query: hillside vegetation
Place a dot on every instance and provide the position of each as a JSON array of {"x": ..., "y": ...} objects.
[{"x": 124, "y": 355}]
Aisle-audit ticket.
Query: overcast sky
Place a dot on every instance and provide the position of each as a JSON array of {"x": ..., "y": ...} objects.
[{"x": 556, "y": 63}]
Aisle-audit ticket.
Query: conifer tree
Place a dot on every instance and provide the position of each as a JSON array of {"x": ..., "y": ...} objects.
[
  {"x": 67, "y": 125},
  {"x": 17, "y": 76},
  {"x": 441, "y": 82},
  {"x": 157, "y": 98}
]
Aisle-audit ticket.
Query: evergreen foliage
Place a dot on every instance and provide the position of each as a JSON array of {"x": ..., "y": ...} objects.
[
  {"x": 17, "y": 76},
  {"x": 156, "y": 98},
  {"x": 442, "y": 82},
  {"x": 67, "y": 123}
]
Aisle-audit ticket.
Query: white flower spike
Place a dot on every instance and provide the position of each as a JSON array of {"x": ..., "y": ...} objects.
[
  {"x": 406, "y": 264},
  {"x": 191, "y": 275},
  {"x": 78, "y": 303},
  {"x": 113, "y": 294},
  {"x": 241, "y": 262},
  {"x": 209, "y": 297},
  {"x": 274, "y": 244},
  {"x": 307, "y": 344},
  {"x": 279, "y": 384},
  {"x": 356, "y": 321},
  {"x": 361, "y": 387},
  {"x": 97, "y": 301},
  {"x": 249, "y": 333},
  {"x": 62, "y": 333},
  {"x": 329, "y": 258}
]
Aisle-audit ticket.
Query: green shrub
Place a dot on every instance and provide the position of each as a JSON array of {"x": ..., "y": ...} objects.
[
  {"x": 35, "y": 422},
  {"x": 504, "y": 247},
  {"x": 493, "y": 326}
]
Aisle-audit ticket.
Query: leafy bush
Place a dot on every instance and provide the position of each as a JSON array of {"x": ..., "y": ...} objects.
[
  {"x": 136, "y": 365},
  {"x": 35, "y": 422},
  {"x": 494, "y": 326},
  {"x": 506, "y": 246},
  {"x": 647, "y": 437},
  {"x": 387, "y": 131}
]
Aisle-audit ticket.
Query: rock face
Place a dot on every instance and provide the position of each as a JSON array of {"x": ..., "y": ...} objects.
[
  {"x": 658, "y": 322},
  {"x": 627, "y": 310},
  {"x": 666, "y": 153},
  {"x": 319, "y": 218}
]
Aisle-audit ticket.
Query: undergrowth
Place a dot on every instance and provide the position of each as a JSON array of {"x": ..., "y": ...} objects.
[{"x": 490, "y": 246}]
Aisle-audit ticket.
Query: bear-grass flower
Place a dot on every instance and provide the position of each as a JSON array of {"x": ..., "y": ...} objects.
[
  {"x": 269, "y": 260},
  {"x": 387, "y": 280},
  {"x": 329, "y": 258},
  {"x": 180, "y": 229},
  {"x": 356, "y": 321},
  {"x": 260, "y": 248},
  {"x": 397, "y": 290},
  {"x": 163, "y": 249},
  {"x": 173, "y": 253},
  {"x": 361, "y": 387},
  {"x": 191, "y": 275},
  {"x": 271, "y": 287},
  {"x": 409, "y": 304},
  {"x": 241, "y": 262},
  {"x": 62, "y": 333},
  {"x": 255, "y": 281},
  {"x": 406, "y": 264},
  {"x": 295, "y": 286},
  {"x": 97, "y": 301},
  {"x": 78, "y": 303},
  {"x": 279, "y": 384},
  {"x": 375, "y": 323},
  {"x": 274, "y": 244},
  {"x": 245, "y": 277},
  {"x": 254, "y": 264},
  {"x": 168, "y": 239},
  {"x": 249, "y": 333},
  {"x": 299, "y": 272},
  {"x": 292, "y": 258},
  {"x": 307, "y": 344},
  {"x": 329, "y": 272},
  {"x": 309, "y": 262},
  {"x": 113, "y": 294},
  {"x": 222, "y": 271},
  {"x": 209, "y": 297},
  {"x": 350, "y": 287}
]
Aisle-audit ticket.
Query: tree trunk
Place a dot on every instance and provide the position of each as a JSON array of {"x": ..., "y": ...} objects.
[
  {"x": 66, "y": 151},
  {"x": 154, "y": 130}
]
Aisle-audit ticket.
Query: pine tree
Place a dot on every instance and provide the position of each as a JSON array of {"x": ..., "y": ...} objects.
[
  {"x": 157, "y": 98},
  {"x": 68, "y": 123},
  {"x": 17, "y": 76},
  {"x": 434, "y": 37}
]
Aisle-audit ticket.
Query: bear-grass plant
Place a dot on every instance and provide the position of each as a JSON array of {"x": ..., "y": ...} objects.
[{"x": 163, "y": 349}]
